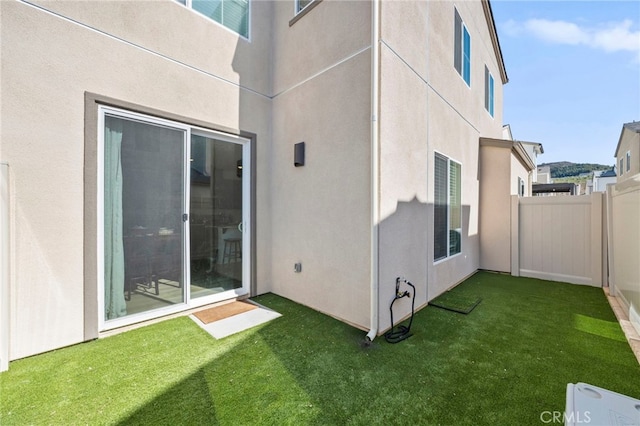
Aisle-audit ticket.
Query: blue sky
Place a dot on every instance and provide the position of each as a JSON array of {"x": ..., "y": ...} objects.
[{"x": 574, "y": 74}]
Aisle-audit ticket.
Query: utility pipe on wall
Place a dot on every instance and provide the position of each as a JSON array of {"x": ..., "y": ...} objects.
[{"x": 375, "y": 165}]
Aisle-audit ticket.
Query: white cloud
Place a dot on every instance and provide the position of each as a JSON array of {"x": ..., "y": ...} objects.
[
  {"x": 557, "y": 31},
  {"x": 610, "y": 37},
  {"x": 617, "y": 37}
]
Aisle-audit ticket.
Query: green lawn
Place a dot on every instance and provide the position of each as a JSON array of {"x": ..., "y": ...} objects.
[{"x": 505, "y": 363}]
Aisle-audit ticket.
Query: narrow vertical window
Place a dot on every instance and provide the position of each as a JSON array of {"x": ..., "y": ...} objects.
[
  {"x": 462, "y": 48},
  {"x": 466, "y": 60},
  {"x": 628, "y": 161},
  {"x": 520, "y": 186},
  {"x": 621, "y": 172},
  {"x": 447, "y": 216},
  {"x": 455, "y": 207},
  {"x": 440, "y": 208},
  {"x": 488, "y": 91},
  {"x": 457, "y": 39}
]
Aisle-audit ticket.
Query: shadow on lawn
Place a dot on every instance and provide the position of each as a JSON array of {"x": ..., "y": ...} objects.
[
  {"x": 187, "y": 402},
  {"x": 505, "y": 363}
]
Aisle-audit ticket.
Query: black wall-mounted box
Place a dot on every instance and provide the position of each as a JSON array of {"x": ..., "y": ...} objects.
[{"x": 298, "y": 154}]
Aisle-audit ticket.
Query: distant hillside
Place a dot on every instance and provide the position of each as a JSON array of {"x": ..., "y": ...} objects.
[{"x": 565, "y": 168}]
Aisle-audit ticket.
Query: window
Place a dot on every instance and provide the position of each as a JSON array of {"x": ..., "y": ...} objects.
[
  {"x": 488, "y": 91},
  {"x": 628, "y": 161},
  {"x": 301, "y": 4},
  {"x": 233, "y": 14},
  {"x": 462, "y": 49},
  {"x": 621, "y": 172},
  {"x": 447, "y": 215},
  {"x": 520, "y": 186},
  {"x": 174, "y": 213}
]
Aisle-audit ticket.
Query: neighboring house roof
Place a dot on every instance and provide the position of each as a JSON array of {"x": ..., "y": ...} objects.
[
  {"x": 545, "y": 188},
  {"x": 486, "y": 6},
  {"x": 608, "y": 173},
  {"x": 634, "y": 126},
  {"x": 537, "y": 146}
]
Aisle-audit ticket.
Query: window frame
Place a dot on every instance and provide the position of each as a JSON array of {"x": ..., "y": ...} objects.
[
  {"x": 621, "y": 166},
  {"x": 299, "y": 9},
  {"x": 449, "y": 207},
  {"x": 462, "y": 48},
  {"x": 108, "y": 109},
  {"x": 521, "y": 188},
  {"x": 628, "y": 157},
  {"x": 298, "y": 12},
  {"x": 189, "y": 5},
  {"x": 489, "y": 91}
]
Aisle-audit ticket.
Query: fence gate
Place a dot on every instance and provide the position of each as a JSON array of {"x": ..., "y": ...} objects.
[{"x": 558, "y": 238}]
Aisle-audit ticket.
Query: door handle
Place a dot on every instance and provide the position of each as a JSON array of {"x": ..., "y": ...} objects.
[{"x": 240, "y": 227}]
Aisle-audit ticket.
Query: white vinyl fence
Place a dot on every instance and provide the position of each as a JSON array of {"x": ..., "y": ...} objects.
[
  {"x": 4, "y": 267},
  {"x": 558, "y": 238}
]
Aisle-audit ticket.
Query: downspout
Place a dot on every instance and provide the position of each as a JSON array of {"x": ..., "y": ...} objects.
[{"x": 375, "y": 166}]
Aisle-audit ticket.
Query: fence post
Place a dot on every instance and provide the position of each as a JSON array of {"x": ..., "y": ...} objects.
[
  {"x": 596, "y": 239},
  {"x": 610, "y": 253},
  {"x": 4, "y": 267},
  {"x": 515, "y": 236}
]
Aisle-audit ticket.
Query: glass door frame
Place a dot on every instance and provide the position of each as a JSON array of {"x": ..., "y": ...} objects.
[
  {"x": 188, "y": 303},
  {"x": 245, "y": 223}
]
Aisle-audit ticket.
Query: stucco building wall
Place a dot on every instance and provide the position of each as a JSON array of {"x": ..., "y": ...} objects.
[
  {"x": 54, "y": 61},
  {"x": 304, "y": 81},
  {"x": 495, "y": 215},
  {"x": 321, "y": 211},
  {"x": 629, "y": 143},
  {"x": 426, "y": 107}
]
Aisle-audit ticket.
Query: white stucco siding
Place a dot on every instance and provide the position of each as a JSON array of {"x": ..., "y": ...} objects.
[
  {"x": 321, "y": 211},
  {"x": 454, "y": 137},
  {"x": 404, "y": 227},
  {"x": 330, "y": 33},
  {"x": 168, "y": 28},
  {"x": 426, "y": 107},
  {"x": 53, "y": 62},
  {"x": 518, "y": 170},
  {"x": 444, "y": 79}
]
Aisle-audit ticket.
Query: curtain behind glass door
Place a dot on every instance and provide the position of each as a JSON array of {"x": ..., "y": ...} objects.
[{"x": 143, "y": 205}]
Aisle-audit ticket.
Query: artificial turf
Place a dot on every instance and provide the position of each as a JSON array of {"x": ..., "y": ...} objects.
[{"x": 507, "y": 362}]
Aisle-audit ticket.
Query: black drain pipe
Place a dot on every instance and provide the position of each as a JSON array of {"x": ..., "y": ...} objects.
[{"x": 401, "y": 332}]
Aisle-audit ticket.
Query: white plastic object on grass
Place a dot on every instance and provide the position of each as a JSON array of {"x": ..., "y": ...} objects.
[{"x": 590, "y": 405}]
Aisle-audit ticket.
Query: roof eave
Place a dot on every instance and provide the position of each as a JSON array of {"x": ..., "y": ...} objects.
[{"x": 488, "y": 14}]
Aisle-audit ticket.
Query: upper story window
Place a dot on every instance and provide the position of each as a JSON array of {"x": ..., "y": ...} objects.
[
  {"x": 462, "y": 49},
  {"x": 621, "y": 168},
  {"x": 628, "y": 161},
  {"x": 301, "y": 4},
  {"x": 302, "y": 7},
  {"x": 233, "y": 14},
  {"x": 488, "y": 91}
]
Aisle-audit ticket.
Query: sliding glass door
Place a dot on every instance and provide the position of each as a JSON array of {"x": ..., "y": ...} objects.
[
  {"x": 174, "y": 217},
  {"x": 217, "y": 216}
]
